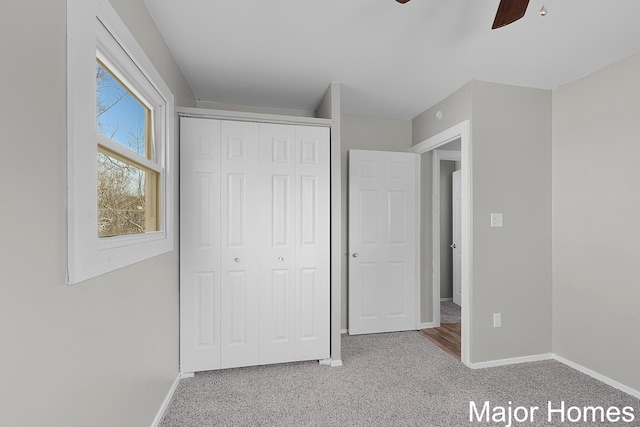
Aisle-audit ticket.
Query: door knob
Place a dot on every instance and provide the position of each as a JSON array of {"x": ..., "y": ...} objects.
[
  {"x": 281, "y": 259},
  {"x": 236, "y": 260},
  {"x": 453, "y": 246},
  {"x": 355, "y": 254}
]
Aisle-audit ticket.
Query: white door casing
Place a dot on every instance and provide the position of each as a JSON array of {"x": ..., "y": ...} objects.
[
  {"x": 382, "y": 241},
  {"x": 460, "y": 131},
  {"x": 457, "y": 236}
]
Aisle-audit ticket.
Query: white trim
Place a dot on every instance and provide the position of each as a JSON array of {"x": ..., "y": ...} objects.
[
  {"x": 510, "y": 361},
  {"x": 552, "y": 356},
  {"x": 446, "y": 299},
  {"x": 460, "y": 131},
  {"x": 418, "y": 230},
  {"x": 597, "y": 376},
  {"x": 252, "y": 117},
  {"x": 330, "y": 362},
  {"x": 212, "y": 105},
  {"x": 165, "y": 403},
  {"x": 94, "y": 26},
  {"x": 187, "y": 374},
  {"x": 344, "y": 331},
  {"x": 444, "y": 137},
  {"x": 428, "y": 325}
]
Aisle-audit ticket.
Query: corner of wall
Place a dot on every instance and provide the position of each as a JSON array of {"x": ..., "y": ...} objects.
[{"x": 329, "y": 108}]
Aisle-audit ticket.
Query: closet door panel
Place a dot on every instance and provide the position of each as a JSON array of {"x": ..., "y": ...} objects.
[
  {"x": 200, "y": 244},
  {"x": 277, "y": 249},
  {"x": 240, "y": 257},
  {"x": 312, "y": 242},
  {"x": 309, "y": 304}
]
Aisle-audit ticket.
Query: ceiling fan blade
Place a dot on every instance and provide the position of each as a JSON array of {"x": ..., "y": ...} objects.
[
  {"x": 509, "y": 11},
  {"x": 402, "y": 1}
]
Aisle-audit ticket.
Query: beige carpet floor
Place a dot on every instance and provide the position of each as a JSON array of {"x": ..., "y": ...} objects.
[{"x": 394, "y": 379}]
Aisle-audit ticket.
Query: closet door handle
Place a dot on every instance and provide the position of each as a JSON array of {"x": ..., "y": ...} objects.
[
  {"x": 236, "y": 260},
  {"x": 355, "y": 254},
  {"x": 281, "y": 259}
]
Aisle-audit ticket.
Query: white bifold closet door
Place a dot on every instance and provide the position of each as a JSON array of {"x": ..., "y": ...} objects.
[
  {"x": 199, "y": 245},
  {"x": 254, "y": 243},
  {"x": 240, "y": 240}
]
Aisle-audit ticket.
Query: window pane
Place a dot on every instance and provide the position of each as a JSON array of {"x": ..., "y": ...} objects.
[
  {"x": 124, "y": 203},
  {"x": 119, "y": 114}
]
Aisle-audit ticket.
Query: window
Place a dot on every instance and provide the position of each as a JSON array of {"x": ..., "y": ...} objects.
[
  {"x": 127, "y": 174},
  {"x": 120, "y": 131}
]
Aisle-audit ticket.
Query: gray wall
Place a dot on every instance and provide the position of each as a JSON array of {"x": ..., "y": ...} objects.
[
  {"x": 456, "y": 108},
  {"x": 596, "y": 206},
  {"x": 103, "y": 352},
  {"x": 366, "y": 133},
  {"x": 511, "y": 174}
]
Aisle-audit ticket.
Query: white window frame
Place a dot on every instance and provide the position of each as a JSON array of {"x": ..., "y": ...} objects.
[{"x": 94, "y": 30}]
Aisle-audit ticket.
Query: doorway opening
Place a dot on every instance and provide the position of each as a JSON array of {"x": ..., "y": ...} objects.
[
  {"x": 446, "y": 229},
  {"x": 458, "y": 135}
]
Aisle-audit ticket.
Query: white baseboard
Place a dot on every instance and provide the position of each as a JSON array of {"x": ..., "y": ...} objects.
[
  {"x": 165, "y": 403},
  {"x": 344, "y": 331},
  {"x": 446, "y": 299},
  {"x": 599, "y": 377},
  {"x": 428, "y": 325},
  {"x": 549, "y": 356},
  {"x": 331, "y": 362},
  {"x": 511, "y": 361}
]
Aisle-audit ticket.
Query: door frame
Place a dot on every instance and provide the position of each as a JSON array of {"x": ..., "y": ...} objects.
[{"x": 460, "y": 131}]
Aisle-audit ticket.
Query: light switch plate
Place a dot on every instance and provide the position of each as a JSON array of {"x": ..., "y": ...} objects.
[
  {"x": 496, "y": 220},
  {"x": 497, "y": 320}
]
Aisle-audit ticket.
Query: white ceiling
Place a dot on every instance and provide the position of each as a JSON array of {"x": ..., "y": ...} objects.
[{"x": 392, "y": 60}]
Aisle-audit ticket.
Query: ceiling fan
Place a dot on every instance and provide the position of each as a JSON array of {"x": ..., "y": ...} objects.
[{"x": 509, "y": 11}]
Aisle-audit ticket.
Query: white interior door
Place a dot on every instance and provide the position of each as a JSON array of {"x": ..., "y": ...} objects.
[
  {"x": 199, "y": 245},
  {"x": 382, "y": 241},
  {"x": 240, "y": 237},
  {"x": 457, "y": 236}
]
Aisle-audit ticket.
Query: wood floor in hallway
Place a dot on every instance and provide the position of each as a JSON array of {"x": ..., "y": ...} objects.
[{"x": 447, "y": 337}]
